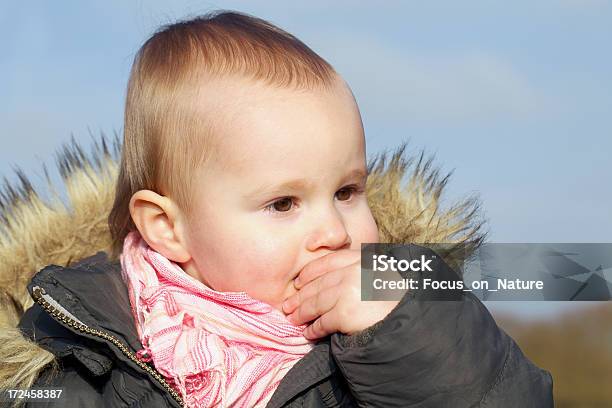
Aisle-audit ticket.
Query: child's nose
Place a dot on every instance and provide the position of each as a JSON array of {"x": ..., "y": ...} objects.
[{"x": 329, "y": 232}]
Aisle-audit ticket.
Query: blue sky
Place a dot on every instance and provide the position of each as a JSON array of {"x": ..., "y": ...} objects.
[{"x": 516, "y": 97}]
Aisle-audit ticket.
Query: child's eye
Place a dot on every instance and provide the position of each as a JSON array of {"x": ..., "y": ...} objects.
[
  {"x": 282, "y": 205},
  {"x": 346, "y": 193}
]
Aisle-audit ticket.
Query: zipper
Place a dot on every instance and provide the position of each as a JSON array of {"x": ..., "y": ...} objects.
[{"x": 63, "y": 316}]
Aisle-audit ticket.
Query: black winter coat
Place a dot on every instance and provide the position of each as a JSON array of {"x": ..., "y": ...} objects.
[{"x": 423, "y": 354}]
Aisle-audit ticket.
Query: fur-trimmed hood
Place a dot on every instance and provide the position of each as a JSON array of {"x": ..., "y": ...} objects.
[{"x": 404, "y": 192}]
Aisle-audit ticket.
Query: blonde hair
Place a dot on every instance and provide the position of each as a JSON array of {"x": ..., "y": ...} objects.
[{"x": 164, "y": 136}]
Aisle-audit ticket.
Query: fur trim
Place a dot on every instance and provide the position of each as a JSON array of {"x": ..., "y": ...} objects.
[{"x": 35, "y": 232}]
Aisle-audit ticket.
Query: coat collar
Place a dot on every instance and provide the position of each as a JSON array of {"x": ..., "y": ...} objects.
[{"x": 94, "y": 293}]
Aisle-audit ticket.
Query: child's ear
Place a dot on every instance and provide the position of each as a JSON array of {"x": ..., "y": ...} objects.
[{"x": 158, "y": 220}]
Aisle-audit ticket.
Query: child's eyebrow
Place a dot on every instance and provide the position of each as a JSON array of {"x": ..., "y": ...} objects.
[
  {"x": 286, "y": 187},
  {"x": 300, "y": 184},
  {"x": 357, "y": 174}
]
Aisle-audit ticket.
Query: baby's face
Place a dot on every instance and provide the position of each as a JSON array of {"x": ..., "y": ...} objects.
[{"x": 286, "y": 187}]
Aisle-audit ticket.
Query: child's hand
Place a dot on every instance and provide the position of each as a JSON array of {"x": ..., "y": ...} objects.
[{"x": 329, "y": 290}]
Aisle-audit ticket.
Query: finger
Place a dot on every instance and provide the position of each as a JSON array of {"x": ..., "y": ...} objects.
[
  {"x": 321, "y": 327},
  {"x": 326, "y": 263},
  {"x": 293, "y": 301},
  {"x": 315, "y": 306},
  {"x": 330, "y": 279}
]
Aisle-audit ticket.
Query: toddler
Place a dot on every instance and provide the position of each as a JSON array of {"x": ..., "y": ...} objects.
[{"x": 244, "y": 168}]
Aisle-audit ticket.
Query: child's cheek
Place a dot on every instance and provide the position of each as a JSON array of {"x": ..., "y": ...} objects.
[
  {"x": 367, "y": 231},
  {"x": 374, "y": 237},
  {"x": 271, "y": 258},
  {"x": 270, "y": 277}
]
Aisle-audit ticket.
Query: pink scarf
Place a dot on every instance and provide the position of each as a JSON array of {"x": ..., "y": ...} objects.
[{"x": 215, "y": 349}]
